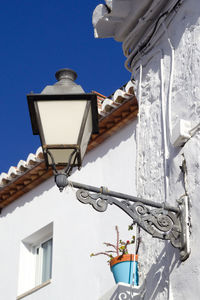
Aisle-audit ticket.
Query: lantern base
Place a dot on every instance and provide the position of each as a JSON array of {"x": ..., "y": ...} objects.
[{"x": 61, "y": 181}]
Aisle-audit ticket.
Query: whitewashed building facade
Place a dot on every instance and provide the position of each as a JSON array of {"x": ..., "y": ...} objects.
[
  {"x": 161, "y": 42},
  {"x": 155, "y": 156}
]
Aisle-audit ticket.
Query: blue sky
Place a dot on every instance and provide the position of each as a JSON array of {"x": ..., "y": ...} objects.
[{"x": 38, "y": 37}]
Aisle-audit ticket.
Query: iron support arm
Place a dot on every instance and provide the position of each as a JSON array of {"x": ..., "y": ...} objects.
[
  {"x": 163, "y": 221},
  {"x": 106, "y": 192}
]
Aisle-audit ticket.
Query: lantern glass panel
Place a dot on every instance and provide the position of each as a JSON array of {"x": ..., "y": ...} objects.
[
  {"x": 61, "y": 156},
  {"x": 86, "y": 134},
  {"x": 60, "y": 121}
]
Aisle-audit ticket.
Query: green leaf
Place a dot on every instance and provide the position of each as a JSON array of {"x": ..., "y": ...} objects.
[{"x": 130, "y": 227}]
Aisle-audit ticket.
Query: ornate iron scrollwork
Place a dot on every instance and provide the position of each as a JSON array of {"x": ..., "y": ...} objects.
[
  {"x": 125, "y": 292},
  {"x": 161, "y": 223},
  {"x": 96, "y": 200},
  {"x": 158, "y": 222}
]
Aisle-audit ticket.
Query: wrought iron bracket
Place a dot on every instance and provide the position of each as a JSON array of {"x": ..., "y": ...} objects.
[{"x": 162, "y": 221}]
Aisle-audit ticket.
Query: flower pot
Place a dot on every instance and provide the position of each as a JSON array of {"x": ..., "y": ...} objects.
[{"x": 125, "y": 268}]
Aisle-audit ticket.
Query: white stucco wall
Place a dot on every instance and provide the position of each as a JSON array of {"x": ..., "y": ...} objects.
[
  {"x": 166, "y": 277},
  {"x": 78, "y": 229}
]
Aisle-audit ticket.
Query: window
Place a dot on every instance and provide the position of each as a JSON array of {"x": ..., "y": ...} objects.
[
  {"x": 44, "y": 261},
  {"x": 36, "y": 254}
]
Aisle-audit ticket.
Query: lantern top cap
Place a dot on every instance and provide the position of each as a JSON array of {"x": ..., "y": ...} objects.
[
  {"x": 65, "y": 85},
  {"x": 66, "y": 74}
]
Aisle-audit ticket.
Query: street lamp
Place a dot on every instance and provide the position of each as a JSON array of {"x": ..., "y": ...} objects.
[{"x": 65, "y": 117}]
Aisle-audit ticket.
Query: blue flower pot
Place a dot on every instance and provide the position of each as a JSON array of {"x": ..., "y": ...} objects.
[{"x": 125, "y": 269}]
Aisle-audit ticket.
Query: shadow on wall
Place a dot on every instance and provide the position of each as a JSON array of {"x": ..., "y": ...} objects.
[
  {"x": 186, "y": 19},
  {"x": 28, "y": 197},
  {"x": 157, "y": 279},
  {"x": 112, "y": 142}
]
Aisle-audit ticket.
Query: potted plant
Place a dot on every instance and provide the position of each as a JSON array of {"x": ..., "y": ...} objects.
[{"x": 124, "y": 266}]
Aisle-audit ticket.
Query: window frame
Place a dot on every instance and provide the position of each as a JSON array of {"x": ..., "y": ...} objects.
[
  {"x": 39, "y": 258},
  {"x": 29, "y": 278}
]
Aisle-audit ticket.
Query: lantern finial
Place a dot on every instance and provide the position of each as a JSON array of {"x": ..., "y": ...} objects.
[{"x": 66, "y": 74}]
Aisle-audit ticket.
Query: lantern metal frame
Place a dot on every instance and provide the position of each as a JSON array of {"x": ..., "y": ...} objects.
[{"x": 37, "y": 124}]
